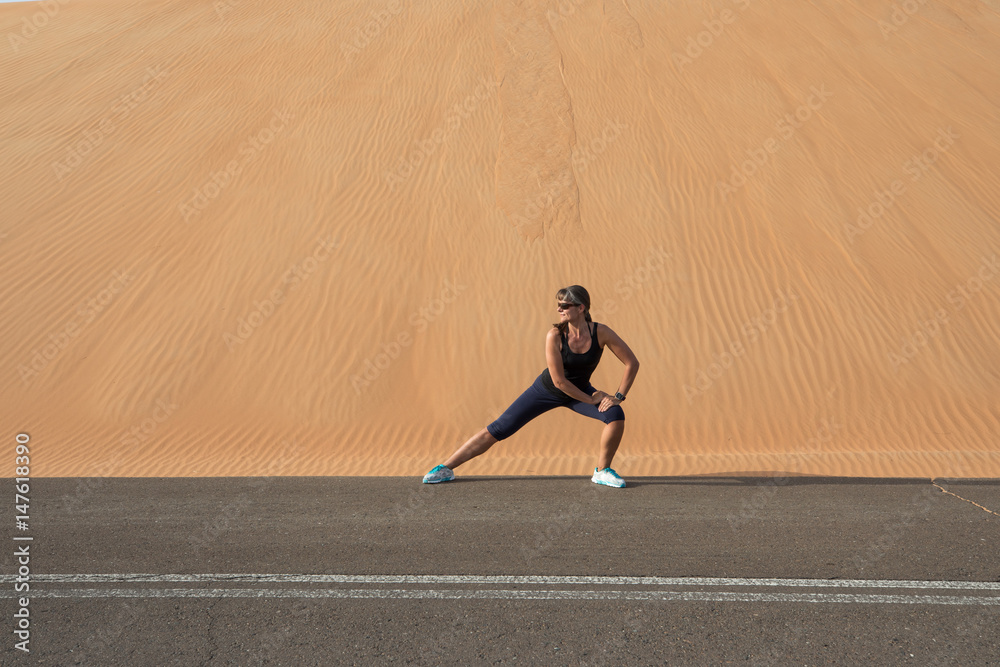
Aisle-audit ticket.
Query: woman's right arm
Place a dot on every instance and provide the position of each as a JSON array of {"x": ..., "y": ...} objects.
[{"x": 554, "y": 361}]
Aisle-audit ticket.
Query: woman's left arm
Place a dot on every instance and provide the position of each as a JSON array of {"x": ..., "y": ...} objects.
[{"x": 624, "y": 353}]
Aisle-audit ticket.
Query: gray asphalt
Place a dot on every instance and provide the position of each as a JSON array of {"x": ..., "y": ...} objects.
[{"x": 702, "y": 530}]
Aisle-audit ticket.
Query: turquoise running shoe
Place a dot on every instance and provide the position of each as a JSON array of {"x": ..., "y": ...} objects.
[
  {"x": 607, "y": 477},
  {"x": 439, "y": 474}
]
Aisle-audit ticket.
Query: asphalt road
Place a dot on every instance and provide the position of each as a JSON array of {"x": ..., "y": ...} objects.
[{"x": 508, "y": 570}]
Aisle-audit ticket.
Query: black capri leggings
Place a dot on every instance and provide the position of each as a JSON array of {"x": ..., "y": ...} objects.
[{"x": 536, "y": 399}]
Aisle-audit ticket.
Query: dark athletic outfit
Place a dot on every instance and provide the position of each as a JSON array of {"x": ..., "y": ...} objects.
[{"x": 543, "y": 395}]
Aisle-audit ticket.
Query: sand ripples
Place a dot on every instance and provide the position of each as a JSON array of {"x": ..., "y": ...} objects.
[{"x": 326, "y": 239}]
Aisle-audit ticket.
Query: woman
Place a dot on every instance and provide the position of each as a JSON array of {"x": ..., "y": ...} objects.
[{"x": 572, "y": 349}]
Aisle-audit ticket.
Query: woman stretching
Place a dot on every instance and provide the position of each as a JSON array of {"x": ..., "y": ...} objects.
[{"x": 572, "y": 349}]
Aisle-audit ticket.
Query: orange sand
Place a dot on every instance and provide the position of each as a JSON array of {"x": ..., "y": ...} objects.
[{"x": 413, "y": 185}]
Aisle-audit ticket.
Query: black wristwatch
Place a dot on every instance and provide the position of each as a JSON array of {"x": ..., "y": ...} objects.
[{"x": 620, "y": 396}]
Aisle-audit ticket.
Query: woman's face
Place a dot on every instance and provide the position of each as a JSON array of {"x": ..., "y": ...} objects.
[{"x": 566, "y": 310}]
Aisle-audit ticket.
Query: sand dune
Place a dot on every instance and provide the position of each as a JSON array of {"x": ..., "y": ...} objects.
[{"x": 250, "y": 238}]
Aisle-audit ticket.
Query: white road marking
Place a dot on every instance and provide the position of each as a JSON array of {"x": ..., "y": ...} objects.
[
  {"x": 241, "y": 586},
  {"x": 509, "y": 579},
  {"x": 688, "y": 596}
]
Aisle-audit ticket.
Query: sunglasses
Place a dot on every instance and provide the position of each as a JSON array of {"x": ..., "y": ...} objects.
[{"x": 566, "y": 306}]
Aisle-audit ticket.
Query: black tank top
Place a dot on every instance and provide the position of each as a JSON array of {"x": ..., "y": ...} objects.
[{"x": 576, "y": 367}]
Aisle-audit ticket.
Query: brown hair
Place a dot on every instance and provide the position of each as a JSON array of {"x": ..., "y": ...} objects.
[{"x": 573, "y": 294}]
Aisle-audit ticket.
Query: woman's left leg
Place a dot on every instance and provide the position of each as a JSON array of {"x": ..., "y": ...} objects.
[
  {"x": 614, "y": 427},
  {"x": 610, "y": 440}
]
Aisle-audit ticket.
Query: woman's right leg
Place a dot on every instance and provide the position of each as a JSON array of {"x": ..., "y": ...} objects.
[
  {"x": 532, "y": 402},
  {"x": 473, "y": 447}
]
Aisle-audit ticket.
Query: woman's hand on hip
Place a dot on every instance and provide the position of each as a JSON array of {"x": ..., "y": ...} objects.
[
  {"x": 604, "y": 400},
  {"x": 608, "y": 402}
]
